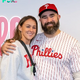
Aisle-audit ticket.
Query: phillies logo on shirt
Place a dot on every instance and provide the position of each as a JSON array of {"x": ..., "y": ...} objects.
[
  {"x": 28, "y": 60},
  {"x": 48, "y": 52}
]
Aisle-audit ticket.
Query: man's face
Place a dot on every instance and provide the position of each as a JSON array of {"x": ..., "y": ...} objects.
[{"x": 50, "y": 22}]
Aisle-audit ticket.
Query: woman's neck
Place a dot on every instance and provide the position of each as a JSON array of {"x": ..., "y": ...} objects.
[{"x": 26, "y": 41}]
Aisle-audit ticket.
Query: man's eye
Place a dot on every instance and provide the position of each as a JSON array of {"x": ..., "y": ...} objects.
[
  {"x": 51, "y": 15},
  {"x": 44, "y": 17}
]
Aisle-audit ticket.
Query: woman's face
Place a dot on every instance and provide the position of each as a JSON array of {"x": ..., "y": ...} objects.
[{"x": 28, "y": 30}]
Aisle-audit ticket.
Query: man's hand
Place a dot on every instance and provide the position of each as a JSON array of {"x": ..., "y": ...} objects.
[{"x": 7, "y": 46}]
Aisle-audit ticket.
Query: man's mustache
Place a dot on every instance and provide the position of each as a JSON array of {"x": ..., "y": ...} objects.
[{"x": 49, "y": 23}]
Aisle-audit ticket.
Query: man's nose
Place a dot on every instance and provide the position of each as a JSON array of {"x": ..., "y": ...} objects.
[{"x": 49, "y": 19}]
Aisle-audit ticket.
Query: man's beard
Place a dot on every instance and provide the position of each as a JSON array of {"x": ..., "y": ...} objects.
[{"x": 50, "y": 29}]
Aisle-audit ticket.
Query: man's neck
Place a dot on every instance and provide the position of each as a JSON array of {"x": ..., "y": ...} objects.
[{"x": 52, "y": 35}]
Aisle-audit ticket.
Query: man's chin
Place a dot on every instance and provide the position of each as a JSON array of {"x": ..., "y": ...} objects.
[{"x": 50, "y": 32}]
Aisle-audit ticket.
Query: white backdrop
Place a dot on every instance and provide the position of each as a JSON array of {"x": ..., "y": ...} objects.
[{"x": 68, "y": 9}]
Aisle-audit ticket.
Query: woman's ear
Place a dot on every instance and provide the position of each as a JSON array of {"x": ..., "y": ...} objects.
[{"x": 20, "y": 28}]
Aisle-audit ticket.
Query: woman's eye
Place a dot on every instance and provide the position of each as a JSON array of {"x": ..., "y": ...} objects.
[
  {"x": 28, "y": 26},
  {"x": 34, "y": 27}
]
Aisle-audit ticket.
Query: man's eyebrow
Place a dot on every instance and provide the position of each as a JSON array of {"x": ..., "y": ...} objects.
[{"x": 52, "y": 14}]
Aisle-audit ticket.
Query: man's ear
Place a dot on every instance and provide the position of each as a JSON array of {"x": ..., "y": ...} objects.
[
  {"x": 40, "y": 19},
  {"x": 59, "y": 16},
  {"x": 20, "y": 28}
]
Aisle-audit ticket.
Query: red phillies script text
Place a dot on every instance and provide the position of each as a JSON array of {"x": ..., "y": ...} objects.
[{"x": 47, "y": 52}]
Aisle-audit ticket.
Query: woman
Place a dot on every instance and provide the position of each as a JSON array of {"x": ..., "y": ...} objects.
[{"x": 17, "y": 66}]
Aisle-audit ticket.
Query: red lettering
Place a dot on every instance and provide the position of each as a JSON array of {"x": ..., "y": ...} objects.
[
  {"x": 35, "y": 47},
  {"x": 38, "y": 53},
  {"x": 60, "y": 56},
  {"x": 42, "y": 54},
  {"x": 52, "y": 55},
  {"x": 47, "y": 52},
  {"x": 56, "y": 55},
  {"x": 28, "y": 61}
]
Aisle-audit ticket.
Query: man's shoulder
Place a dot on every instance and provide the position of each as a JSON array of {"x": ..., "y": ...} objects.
[
  {"x": 69, "y": 38},
  {"x": 68, "y": 35},
  {"x": 37, "y": 38},
  {"x": 39, "y": 34}
]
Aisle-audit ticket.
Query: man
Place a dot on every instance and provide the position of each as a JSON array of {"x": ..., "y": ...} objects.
[{"x": 56, "y": 54}]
